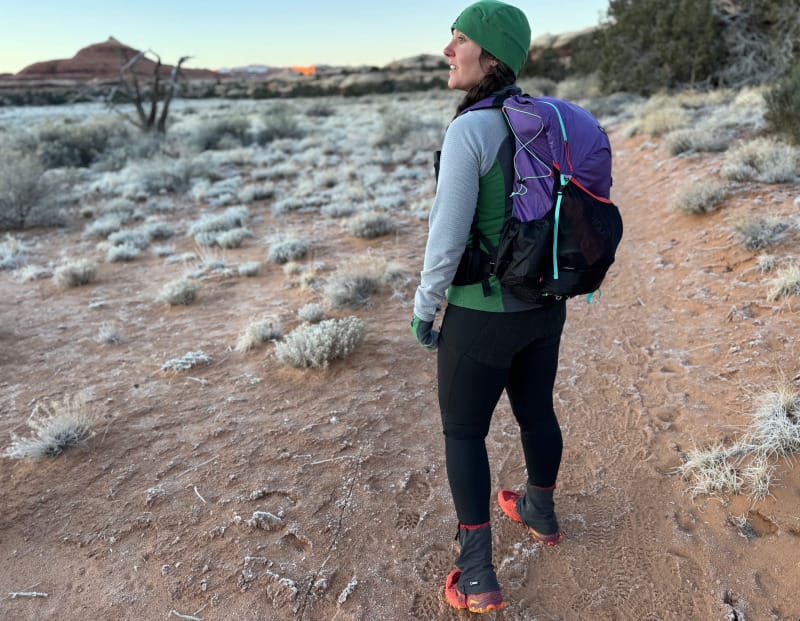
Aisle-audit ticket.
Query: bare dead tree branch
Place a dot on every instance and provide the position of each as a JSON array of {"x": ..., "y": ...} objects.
[{"x": 129, "y": 89}]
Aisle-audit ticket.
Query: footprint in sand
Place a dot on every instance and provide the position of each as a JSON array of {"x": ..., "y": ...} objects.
[{"x": 415, "y": 493}]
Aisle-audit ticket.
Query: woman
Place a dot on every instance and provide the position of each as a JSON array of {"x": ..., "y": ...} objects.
[{"x": 490, "y": 341}]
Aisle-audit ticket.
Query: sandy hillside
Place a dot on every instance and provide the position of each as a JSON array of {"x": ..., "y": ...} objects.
[{"x": 151, "y": 519}]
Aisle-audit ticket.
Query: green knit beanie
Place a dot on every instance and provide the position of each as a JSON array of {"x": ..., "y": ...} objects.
[{"x": 500, "y": 29}]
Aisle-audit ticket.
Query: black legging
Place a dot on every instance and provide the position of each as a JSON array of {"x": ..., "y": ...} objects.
[{"x": 480, "y": 354}]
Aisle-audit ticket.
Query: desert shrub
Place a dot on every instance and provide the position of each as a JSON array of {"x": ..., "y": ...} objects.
[
  {"x": 766, "y": 263},
  {"x": 122, "y": 253},
  {"x": 137, "y": 238},
  {"x": 232, "y": 238},
  {"x": 13, "y": 253},
  {"x": 287, "y": 250},
  {"x": 222, "y": 133},
  {"x": 103, "y": 226},
  {"x": 536, "y": 86},
  {"x": 256, "y": 192},
  {"x": 763, "y": 159},
  {"x": 371, "y": 224},
  {"x": 258, "y": 330},
  {"x": 57, "y": 426},
  {"x": 698, "y": 198},
  {"x": 320, "y": 110},
  {"x": 785, "y": 283},
  {"x": 578, "y": 88},
  {"x": 179, "y": 292},
  {"x": 394, "y": 128},
  {"x": 108, "y": 334},
  {"x": 250, "y": 268},
  {"x": 355, "y": 281},
  {"x": 337, "y": 210},
  {"x": 75, "y": 273},
  {"x": 276, "y": 124},
  {"x": 74, "y": 144},
  {"x": 188, "y": 361},
  {"x": 759, "y": 232},
  {"x": 231, "y": 218},
  {"x": 316, "y": 345},
  {"x": 702, "y": 140},
  {"x": 774, "y": 432},
  {"x": 158, "y": 230},
  {"x": 311, "y": 313},
  {"x": 24, "y": 191},
  {"x": 783, "y": 103}
]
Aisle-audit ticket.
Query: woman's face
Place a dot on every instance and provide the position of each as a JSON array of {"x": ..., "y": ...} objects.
[{"x": 465, "y": 66}]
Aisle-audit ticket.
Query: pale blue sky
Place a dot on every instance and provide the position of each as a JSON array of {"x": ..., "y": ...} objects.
[{"x": 238, "y": 32}]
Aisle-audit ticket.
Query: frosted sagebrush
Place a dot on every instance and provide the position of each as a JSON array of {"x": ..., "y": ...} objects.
[
  {"x": 231, "y": 218},
  {"x": 103, "y": 226},
  {"x": 759, "y": 232},
  {"x": 355, "y": 281},
  {"x": 122, "y": 253},
  {"x": 188, "y": 361},
  {"x": 179, "y": 292},
  {"x": 75, "y": 273},
  {"x": 369, "y": 225},
  {"x": 287, "y": 250},
  {"x": 57, "y": 426},
  {"x": 316, "y": 345},
  {"x": 137, "y": 238},
  {"x": 311, "y": 313}
]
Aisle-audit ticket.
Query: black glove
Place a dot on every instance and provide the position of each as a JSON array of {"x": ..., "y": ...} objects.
[{"x": 424, "y": 333}]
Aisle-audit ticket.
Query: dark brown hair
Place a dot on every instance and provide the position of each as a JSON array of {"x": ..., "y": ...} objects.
[{"x": 498, "y": 77}]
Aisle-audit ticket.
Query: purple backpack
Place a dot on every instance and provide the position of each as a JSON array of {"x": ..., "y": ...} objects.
[{"x": 561, "y": 230}]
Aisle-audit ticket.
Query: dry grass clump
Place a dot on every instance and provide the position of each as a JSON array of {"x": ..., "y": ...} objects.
[
  {"x": 104, "y": 226},
  {"x": 698, "y": 198},
  {"x": 233, "y": 238},
  {"x": 256, "y": 192},
  {"x": 188, "y": 361},
  {"x": 698, "y": 139},
  {"x": 75, "y": 273},
  {"x": 764, "y": 159},
  {"x": 661, "y": 115},
  {"x": 287, "y": 250},
  {"x": 785, "y": 283},
  {"x": 370, "y": 224},
  {"x": 179, "y": 292},
  {"x": 311, "y": 313},
  {"x": 748, "y": 465},
  {"x": 108, "y": 334},
  {"x": 759, "y": 232},
  {"x": 138, "y": 238},
  {"x": 316, "y": 345},
  {"x": 13, "y": 253},
  {"x": 56, "y": 427},
  {"x": 259, "y": 330}
]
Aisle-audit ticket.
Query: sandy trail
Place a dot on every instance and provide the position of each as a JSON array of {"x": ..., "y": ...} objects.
[{"x": 153, "y": 516}]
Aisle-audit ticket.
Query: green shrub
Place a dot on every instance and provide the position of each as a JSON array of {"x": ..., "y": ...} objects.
[
  {"x": 783, "y": 106},
  {"x": 221, "y": 133},
  {"x": 287, "y": 250},
  {"x": 651, "y": 45}
]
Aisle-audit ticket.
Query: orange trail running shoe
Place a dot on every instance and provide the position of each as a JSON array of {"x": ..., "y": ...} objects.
[
  {"x": 477, "y": 602},
  {"x": 508, "y": 503}
]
